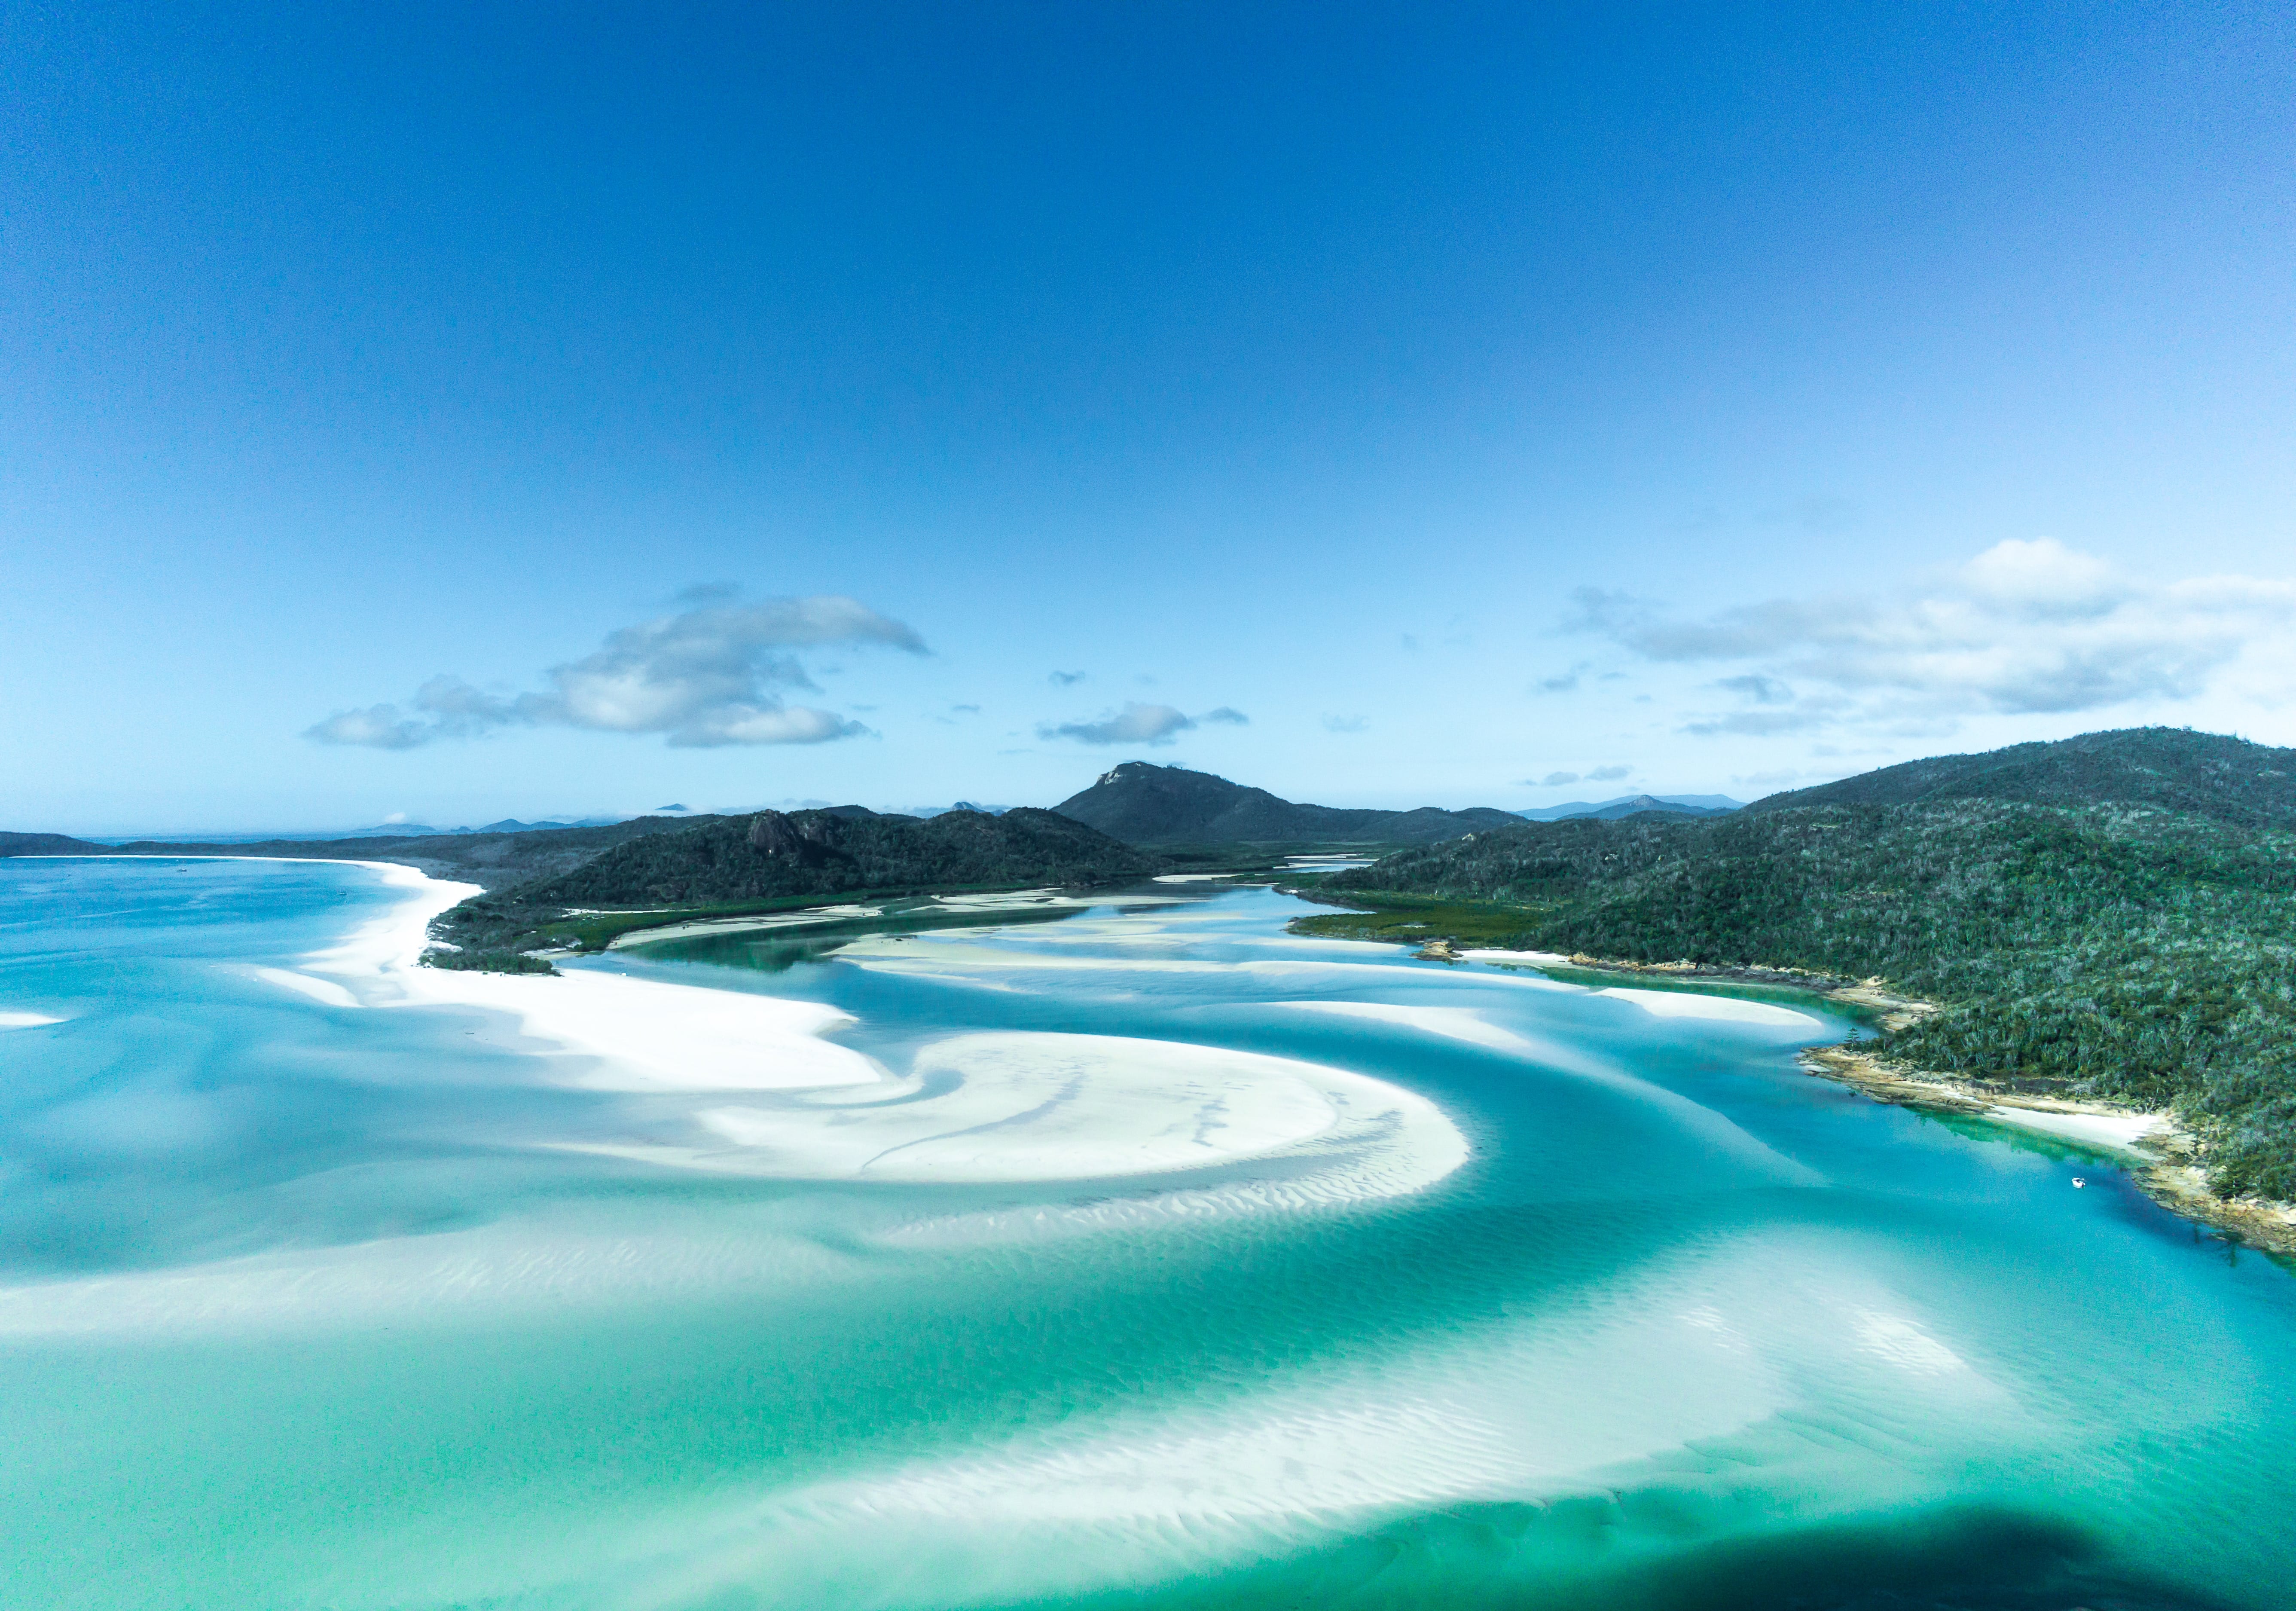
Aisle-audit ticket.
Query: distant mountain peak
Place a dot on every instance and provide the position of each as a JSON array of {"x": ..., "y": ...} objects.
[
  {"x": 1628, "y": 805},
  {"x": 1141, "y": 802}
]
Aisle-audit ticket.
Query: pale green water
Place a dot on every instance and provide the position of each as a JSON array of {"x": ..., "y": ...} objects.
[{"x": 306, "y": 1305}]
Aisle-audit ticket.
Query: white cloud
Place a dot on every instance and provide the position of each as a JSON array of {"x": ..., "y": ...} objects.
[
  {"x": 706, "y": 677},
  {"x": 377, "y": 728},
  {"x": 1346, "y": 724},
  {"x": 1139, "y": 724},
  {"x": 2025, "y": 627},
  {"x": 1762, "y": 690}
]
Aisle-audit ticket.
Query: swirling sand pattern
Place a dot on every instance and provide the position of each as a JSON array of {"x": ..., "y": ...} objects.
[{"x": 1151, "y": 1257}]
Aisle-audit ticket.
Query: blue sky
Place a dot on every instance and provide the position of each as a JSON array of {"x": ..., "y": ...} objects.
[{"x": 1385, "y": 405}]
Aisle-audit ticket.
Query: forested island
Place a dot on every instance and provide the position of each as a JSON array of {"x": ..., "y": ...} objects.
[
  {"x": 2111, "y": 917},
  {"x": 776, "y": 858}
]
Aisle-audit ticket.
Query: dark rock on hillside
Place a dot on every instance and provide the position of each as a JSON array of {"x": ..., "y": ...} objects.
[
  {"x": 2210, "y": 775},
  {"x": 1141, "y": 803}
]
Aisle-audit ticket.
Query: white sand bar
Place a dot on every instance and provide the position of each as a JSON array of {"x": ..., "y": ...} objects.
[
  {"x": 812, "y": 917},
  {"x": 615, "y": 1033},
  {"x": 648, "y": 1036},
  {"x": 2098, "y": 1129},
  {"x": 1451, "y": 1022},
  {"x": 326, "y": 992},
  {"x": 1009, "y": 1106},
  {"x": 26, "y": 1020},
  {"x": 1730, "y": 1010},
  {"x": 994, "y": 1107}
]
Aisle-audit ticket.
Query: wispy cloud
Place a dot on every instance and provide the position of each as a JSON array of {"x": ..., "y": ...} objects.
[
  {"x": 1345, "y": 724},
  {"x": 1139, "y": 724},
  {"x": 1065, "y": 680},
  {"x": 1555, "y": 780},
  {"x": 707, "y": 677},
  {"x": 2025, "y": 627},
  {"x": 1762, "y": 690}
]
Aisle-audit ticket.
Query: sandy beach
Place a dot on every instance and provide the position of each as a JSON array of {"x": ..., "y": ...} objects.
[
  {"x": 2164, "y": 1155},
  {"x": 1006, "y": 1106}
]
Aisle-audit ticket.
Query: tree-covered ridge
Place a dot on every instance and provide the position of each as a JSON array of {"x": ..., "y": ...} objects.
[
  {"x": 776, "y": 860},
  {"x": 1140, "y": 803},
  {"x": 2134, "y": 955},
  {"x": 2171, "y": 768},
  {"x": 774, "y": 854}
]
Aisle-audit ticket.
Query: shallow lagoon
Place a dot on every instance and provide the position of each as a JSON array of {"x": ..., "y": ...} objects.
[{"x": 309, "y": 1304}]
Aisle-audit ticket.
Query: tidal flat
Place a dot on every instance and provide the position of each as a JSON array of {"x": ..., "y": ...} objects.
[{"x": 1146, "y": 1255}]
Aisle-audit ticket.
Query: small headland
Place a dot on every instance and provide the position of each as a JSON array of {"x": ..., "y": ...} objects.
[{"x": 2168, "y": 1160}]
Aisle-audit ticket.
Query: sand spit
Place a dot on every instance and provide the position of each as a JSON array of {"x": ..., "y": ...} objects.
[
  {"x": 1872, "y": 995},
  {"x": 1008, "y": 1106},
  {"x": 1728, "y": 1009},
  {"x": 593, "y": 1029},
  {"x": 812, "y": 917},
  {"x": 2165, "y": 1154},
  {"x": 1451, "y": 1023}
]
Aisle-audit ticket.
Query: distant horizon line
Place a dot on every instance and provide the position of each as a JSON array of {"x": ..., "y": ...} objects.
[{"x": 385, "y": 830}]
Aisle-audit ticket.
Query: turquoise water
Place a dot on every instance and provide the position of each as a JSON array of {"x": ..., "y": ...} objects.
[{"x": 313, "y": 1304}]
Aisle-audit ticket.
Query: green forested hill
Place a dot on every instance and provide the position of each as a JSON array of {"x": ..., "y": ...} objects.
[
  {"x": 1140, "y": 803},
  {"x": 826, "y": 853},
  {"x": 2143, "y": 956},
  {"x": 2172, "y": 768},
  {"x": 775, "y": 858}
]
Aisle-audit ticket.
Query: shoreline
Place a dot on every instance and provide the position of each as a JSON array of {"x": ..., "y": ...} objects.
[
  {"x": 650, "y": 1037},
  {"x": 2163, "y": 1155},
  {"x": 658, "y": 1037},
  {"x": 1331, "y": 1135},
  {"x": 840, "y": 1115}
]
